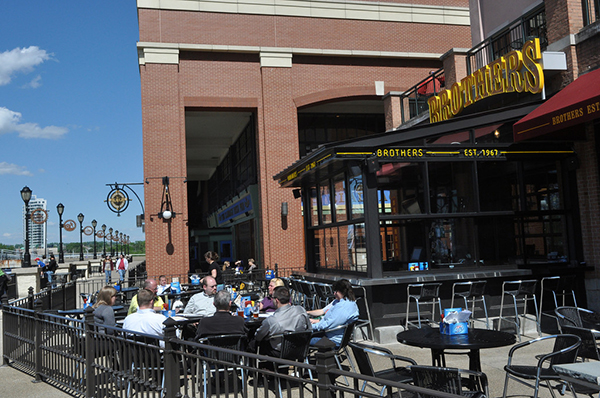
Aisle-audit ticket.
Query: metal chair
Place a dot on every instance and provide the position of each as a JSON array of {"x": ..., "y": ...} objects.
[
  {"x": 564, "y": 351},
  {"x": 324, "y": 293},
  {"x": 341, "y": 353},
  {"x": 523, "y": 290},
  {"x": 225, "y": 362},
  {"x": 472, "y": 292},
  {"x": 589, "y": 347},
  {"x": 365, "y": 367},
  {"x": 450, "y": 380},
  {"x": 560, "y": 287},
  {"x": 422, "y": 293},
  {"x": 310, "y": 294},
  {"x": 294, "y": 347},
  {"x": 570, "y": 316}
]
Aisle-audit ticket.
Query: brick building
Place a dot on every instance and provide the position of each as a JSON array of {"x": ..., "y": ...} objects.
[{"x": 235, "y": 91}]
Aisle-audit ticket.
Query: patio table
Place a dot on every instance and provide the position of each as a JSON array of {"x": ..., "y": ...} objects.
[
  {"x": 474, "y": 341},
  {"x": 586, "y": 374}
]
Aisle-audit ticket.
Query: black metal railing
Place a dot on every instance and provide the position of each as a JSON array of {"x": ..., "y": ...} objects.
[
  {"x": 532, "y": 25},
  {"x": 85, "y": 360},
  {"x": 413, "y": 101}
]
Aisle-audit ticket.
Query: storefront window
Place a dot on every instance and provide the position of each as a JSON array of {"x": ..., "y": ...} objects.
[
  {"x": 339, "y": 184},
  {"x": 451, "y": 242},
  {"x": 401, "y": 188},
  {"x": 356, "y": 196},
  {"x": 346, "y": 234},
  {"x": 497, "y": 186},
  {"x": 325, "y": 203},
  {"x": 319, "y": 248},
  {"x": 541, "y": 187},
  {"x": 314, "y": 207},
  {"x": 451, "y": 187}
]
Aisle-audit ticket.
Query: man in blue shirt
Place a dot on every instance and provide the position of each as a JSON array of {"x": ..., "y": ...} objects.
[{"x": 342, "y": 311}]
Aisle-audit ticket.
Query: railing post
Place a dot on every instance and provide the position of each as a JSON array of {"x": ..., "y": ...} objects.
[
  {"x": 171, "y": 364},
  {"x": 325, "y": 361},
  {"x": 37, "y": 340},
  {"x": 30, "y": 298},
  {"x": 5, "y": 348},
  {"x": 64, "y": 295},
  {"x": 90, "y": 371}
]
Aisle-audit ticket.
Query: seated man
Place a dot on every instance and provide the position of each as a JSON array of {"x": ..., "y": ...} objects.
[
  {"x": 341, "y": 311},
  {"x": 202, "y": 303},
  {"x": 286, "y": 318},
  {"x": 222, "y": 322},
  {"x": 145, "y": 320},
  {"x": 150, "y": 285},
  {"x": 163, "y": 286}
]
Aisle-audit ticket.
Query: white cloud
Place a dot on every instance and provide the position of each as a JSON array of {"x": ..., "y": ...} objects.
[
  {"x": 34, "y": 83},
  {"x": 7, "y": 235},
  {"x": 9, "y": 122},
  {"x": 20, "y": 60},
  {"x": 9, "y": 168}
]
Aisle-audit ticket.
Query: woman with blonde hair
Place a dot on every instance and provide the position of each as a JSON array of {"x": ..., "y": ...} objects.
[
  {"x": 267, "y": 304},
  {"x": 103, "y": 311}
]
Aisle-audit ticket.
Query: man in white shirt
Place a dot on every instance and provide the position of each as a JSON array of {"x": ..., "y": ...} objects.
[
  {"x": 122, "y": 265},
  {"x": 145, "y": 320},
  {"x": 202, "y": 303}
]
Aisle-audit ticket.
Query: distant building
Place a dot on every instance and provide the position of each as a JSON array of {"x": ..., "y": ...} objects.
[{"x": 37, "y": 232}]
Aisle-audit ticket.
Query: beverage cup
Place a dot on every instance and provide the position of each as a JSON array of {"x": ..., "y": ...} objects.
[
  {"x": 240, "y": 312},
  {"x": 255, "y": 315}
]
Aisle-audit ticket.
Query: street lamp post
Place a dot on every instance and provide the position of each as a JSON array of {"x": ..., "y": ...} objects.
[
  {"x": 80, "y": 218},
  {"x": 111, "y": 240},
  {"x": 104, "y": 237},
  {"x": 122, "y": 242},
  {"x": 94, "y": 224},
  {"x": 60, "y": 209},
  {"x": 116, "y": 239},
  {"x": 26, "y": 196},
  {"x": 127, "y": 248}
]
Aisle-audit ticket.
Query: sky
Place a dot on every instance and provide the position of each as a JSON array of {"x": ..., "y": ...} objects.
[{"x": 70, "y": 112}]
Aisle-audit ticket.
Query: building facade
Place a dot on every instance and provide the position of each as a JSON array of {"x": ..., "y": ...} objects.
[
  {"x": 233, "y": 92},
  {"x": 37, "y": 230}
]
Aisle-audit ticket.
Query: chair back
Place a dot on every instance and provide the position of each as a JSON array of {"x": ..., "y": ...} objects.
[
  {"x": 566, "y": 345},
  {"x": 568, "y": 316},
  {"x": 295, "y": 345},
  {"x": 588, "y": 348},
  {"x": 477, "y": 288},
  {"x": 347, "y": 336},
  {"x": 362, "y": 360},
  {"x": 430, "y": 291},
  {"x": 438, "y": 379},
  {"x": 527, "y": 287},
  {"x": 235, "y": 342}
]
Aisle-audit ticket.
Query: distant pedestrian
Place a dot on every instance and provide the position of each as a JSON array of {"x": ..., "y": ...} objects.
[
  {"x": 122, "y": 265},
  {"x": 51, "y": 269},
  {"x": 107, "y": 267}
]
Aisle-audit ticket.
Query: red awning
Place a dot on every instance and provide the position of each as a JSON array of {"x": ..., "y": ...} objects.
[{"x": 577, "y": 103}]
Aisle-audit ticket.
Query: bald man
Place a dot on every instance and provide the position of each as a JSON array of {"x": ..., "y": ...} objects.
[
  {"x": 202, "y": 303},
  {"x": 152, "y": 286}
]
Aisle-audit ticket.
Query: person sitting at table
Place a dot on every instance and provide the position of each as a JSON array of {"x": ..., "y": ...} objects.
[
  {"x": 103, "y": 311},
  {"x": 341, "y": 311},
  {"x": 202, "y": 303},
  {"x": 145, "y": 320},
  {"x": 239, "y": 267},
  {"x": 163, "y": 286},
  {"x": 222, "y": 322},
  {"x": 152, "y": 287},
  {"x": 267, "y": 304},
  {"x": 286, "y": 318}
]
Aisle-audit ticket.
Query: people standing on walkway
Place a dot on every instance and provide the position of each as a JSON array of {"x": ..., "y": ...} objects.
[
  {"x": 251, "y": 265},
  {"x": 107, "y": 267},
  {"x": 122, "y": 265},
  {"x": 341, "y": 311},
  {"x": 51, "y": 269},
  {"x": 214, "y": 269},
  {"x": 103, "y": 311}
]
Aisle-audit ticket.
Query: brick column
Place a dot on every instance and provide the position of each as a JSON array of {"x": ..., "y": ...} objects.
[
  {"x": 392, "y": 109},
  {"x": 278, "y": 148},
  {"x": 455, "y": 65},
  {"x": 164, "y": 156}
]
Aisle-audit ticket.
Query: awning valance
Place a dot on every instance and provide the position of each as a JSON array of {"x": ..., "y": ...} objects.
[{"x": 577, "y": 103}]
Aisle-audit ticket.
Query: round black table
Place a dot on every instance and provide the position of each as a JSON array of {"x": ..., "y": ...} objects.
[{"x": 474, "y": 341}]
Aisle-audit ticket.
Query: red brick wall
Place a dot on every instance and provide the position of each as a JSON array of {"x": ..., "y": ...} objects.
[{"x": 212, "y": 79}]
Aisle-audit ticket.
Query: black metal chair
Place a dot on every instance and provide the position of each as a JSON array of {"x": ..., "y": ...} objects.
[
  {"x": 294, "y": 347},
  {"x": 570, "y": 316},
  {"x": 341, "y": 353},
  {"x": 225, "y": 363},
  {"x": 467, "y": 383},
  {"x": 564, "y": 351},
  {"x": 365, "y": 367},
  {"x": 524, "y": 291},
  {"x": 589, "y": 346},
  {"x": 472, "y": 292},
  {"x": 324, "y": 293},
  {"x": 422, "y": 293}
]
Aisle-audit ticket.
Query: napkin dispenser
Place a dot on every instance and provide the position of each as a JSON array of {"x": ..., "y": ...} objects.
[{"x": 455, "y": 321}]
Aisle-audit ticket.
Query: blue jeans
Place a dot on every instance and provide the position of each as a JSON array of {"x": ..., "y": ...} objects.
[
  {"x": 108, "y": 276},
  {"x": 49, "y": 276},
  {"x": 122, "y": 274}
]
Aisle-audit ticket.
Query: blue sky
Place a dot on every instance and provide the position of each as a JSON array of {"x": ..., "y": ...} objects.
[{"x": 70, "y": 111}]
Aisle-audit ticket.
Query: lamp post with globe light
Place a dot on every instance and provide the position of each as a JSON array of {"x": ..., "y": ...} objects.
[
  {"x": 94, "y": 224},
  {"x": 60, "y": 209},
  {"x": 80, "y": 217},
  {"x": 26, "y": 196},
  {"x": 110, "y": 231},
  {"x": 104, "y": 237}
]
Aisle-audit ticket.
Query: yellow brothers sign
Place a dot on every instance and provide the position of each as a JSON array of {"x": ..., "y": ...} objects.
[{"x": 517, "y": 71}]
